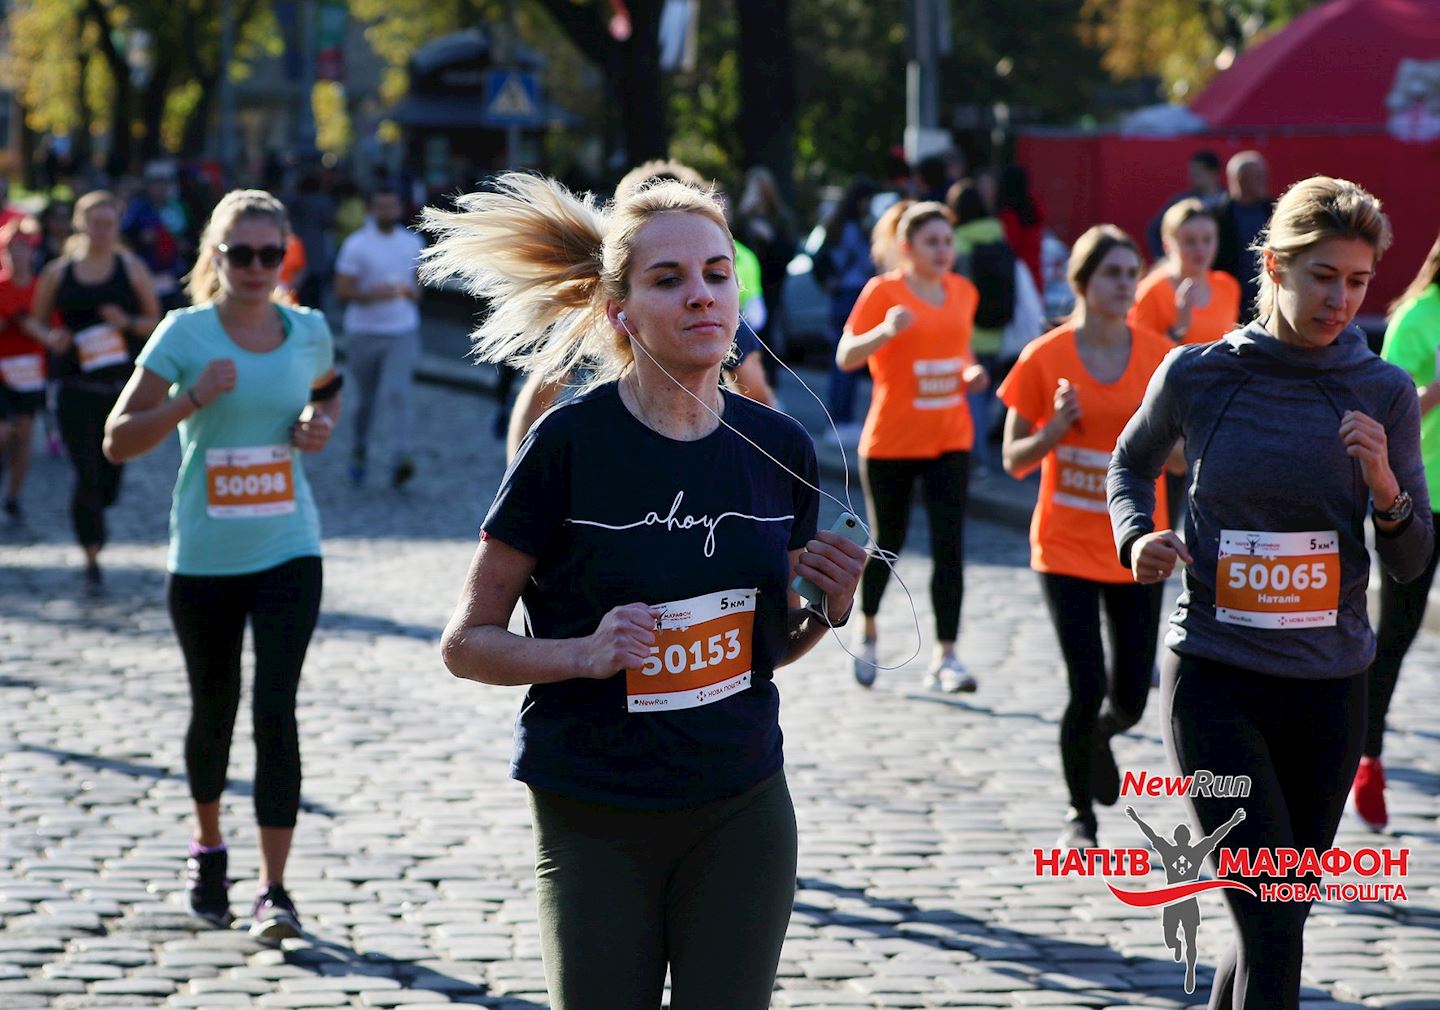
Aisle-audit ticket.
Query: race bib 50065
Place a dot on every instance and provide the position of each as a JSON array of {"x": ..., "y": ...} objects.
[{"x": 1278, "y": 580}]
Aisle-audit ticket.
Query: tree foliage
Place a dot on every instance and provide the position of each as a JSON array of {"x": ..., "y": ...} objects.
[
  {"x": 143, "y": 72},
  {"x": 1183, "y": 42}
]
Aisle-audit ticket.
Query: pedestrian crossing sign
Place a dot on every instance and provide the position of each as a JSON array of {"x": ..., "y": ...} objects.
[{"x": 512, "y": 98}]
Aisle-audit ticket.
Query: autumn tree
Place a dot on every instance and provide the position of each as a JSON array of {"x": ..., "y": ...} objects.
[
  {"x": 1183, "y": 42},
  {"x": 145, "y": 72}
]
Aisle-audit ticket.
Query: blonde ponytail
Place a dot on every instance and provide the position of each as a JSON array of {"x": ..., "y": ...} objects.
[{"x": 546, "y": 262}]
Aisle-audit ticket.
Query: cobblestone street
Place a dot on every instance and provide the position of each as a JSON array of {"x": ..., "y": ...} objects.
[{"x": 412, "y": 866}]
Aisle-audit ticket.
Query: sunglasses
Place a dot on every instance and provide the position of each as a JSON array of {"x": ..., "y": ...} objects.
[{"x": 242, "y": 256}]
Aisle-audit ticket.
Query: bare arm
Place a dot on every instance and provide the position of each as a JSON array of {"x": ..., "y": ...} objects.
[
  {"x": 750, "y": 380},
  {"x": 834, "y": 565},
  {"x": 1025, "y": 446},
  {"x": 42, "y": 309},
  {"x": 144, "y": 416},
  {"x": 312, "y": 431},
  {"x": 1175, "y": 463},
  {"x": 347, "y": 289},
  {"x": 854, "y": 349},
  {"x": 477, "y": 644},
  {"x": 535, "y": 397}
]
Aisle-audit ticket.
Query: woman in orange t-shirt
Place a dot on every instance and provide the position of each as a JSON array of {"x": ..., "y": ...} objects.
[
  {"x": 1183, "y": 297},
  {"x": 1070, "y": 394},
  {"x": 912, "y": 326}
]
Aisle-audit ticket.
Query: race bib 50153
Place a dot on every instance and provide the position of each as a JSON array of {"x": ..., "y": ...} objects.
[{"x": 701, "y": 656}]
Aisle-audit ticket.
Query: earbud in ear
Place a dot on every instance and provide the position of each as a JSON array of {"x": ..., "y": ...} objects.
[{"x": 622, "y": 316}]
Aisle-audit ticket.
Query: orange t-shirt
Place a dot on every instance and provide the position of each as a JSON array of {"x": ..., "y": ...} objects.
[
  {"x": 1070, "y": 529},
  {"x": 917, "y": 403},
  {"x": 1155, "y": 307},
  {"x": 291, "y": 266}
]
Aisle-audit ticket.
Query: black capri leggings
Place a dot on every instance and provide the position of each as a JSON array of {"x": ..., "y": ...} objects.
[
  {"x": 1299, "y": 741},
  {"x": 622, "y": 892},
  {"x": 82, "y": 412},
  {"x": 209, "y": 614},
  {"x": 1132, "y": 617},
  {"x": 888, "y": 484},
  {"x": 1402, "y": 608}
]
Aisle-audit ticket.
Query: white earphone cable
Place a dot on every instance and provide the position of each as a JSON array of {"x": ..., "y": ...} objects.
[{"x": 889, "y": 558}]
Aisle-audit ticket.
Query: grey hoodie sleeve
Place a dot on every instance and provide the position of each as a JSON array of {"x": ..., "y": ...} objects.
[
  {"x": 1140, "y": 456},
  {"x": 1406, "y": 551}
]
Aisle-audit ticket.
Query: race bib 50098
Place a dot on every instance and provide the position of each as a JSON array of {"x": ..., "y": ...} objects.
[{"x": 249, "y": 483}]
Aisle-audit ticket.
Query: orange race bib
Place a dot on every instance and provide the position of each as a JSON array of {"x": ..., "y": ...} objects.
[
  {"x": 937, "y": 384},
  {"x": 701, "y": 656},
  {"x": 1278, "y": 580},
  {"x": 100, "y": 346},
  {"x": 24, "y": 373},
  {"x": 249, "y": 483},
  {"x": 1080, "y": 483}
]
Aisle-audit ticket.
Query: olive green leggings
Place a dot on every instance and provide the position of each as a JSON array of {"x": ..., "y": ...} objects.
[{"x": 623, "y": 893}]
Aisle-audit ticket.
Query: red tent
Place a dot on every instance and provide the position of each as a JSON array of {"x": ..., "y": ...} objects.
[
  {"x": 1351, "y": 89},
  {"x": 1332, "y": 66}
]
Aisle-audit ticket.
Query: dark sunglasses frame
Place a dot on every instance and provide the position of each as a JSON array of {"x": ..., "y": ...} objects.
[{"x": 270, "y": 256}]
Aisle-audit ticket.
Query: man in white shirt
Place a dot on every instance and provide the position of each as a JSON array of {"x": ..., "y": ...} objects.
[{"x": 375, "y": 279}]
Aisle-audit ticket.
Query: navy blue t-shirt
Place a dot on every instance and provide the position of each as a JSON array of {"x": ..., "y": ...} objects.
[{"x": 614, "y": 514}]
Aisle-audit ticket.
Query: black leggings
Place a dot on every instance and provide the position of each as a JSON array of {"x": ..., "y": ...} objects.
[
  {"x": 209, "y": 614},
  {"x": 888, "y": 484},
  {"x": 1299, "y": 741},
  {"x": 622, "y": 892},
  {"x": 1402, "y": 608},
  {"x": 97, "y": 480},
  {"x": 1132, "y": 617}
]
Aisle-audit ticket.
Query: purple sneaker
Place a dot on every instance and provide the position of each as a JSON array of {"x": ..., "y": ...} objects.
[{"x": 274, "y": 917}]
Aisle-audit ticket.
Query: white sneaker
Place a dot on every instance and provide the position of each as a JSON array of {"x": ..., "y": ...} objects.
[
  {"x": 950, "y": 676},
  {"x": 866, "y": 660}
]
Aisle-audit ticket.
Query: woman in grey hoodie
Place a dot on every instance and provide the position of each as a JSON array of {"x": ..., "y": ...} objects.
[{"x": 1293, "y": 431}]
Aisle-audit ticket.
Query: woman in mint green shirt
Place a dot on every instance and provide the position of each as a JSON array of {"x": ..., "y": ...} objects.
[
  {"x": 1412, "y": 341},
  {"x": 249, "y": 384}
]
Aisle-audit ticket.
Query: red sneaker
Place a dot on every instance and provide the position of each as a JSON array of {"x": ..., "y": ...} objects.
[{"x": 1367, "y": 796}]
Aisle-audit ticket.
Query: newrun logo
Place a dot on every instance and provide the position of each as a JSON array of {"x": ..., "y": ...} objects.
[
  {"x": 1277, "y": 874},
  {"x": 1201, "y": 783}
]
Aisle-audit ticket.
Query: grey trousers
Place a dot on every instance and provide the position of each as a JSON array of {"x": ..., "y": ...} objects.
[{"x": 383, "y": 366}]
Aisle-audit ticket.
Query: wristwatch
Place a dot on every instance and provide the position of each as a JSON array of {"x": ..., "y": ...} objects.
[{"x": 1398, "y": 511}]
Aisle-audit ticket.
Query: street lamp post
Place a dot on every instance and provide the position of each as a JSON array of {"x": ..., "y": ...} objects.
[
  {"x": 927, "y": 32},
  {"x": 225, "y": 146}
]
